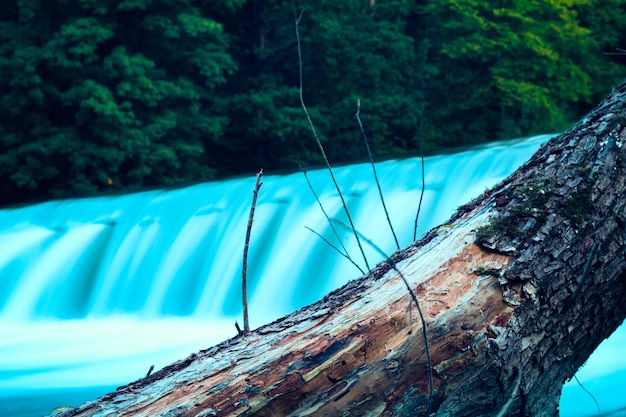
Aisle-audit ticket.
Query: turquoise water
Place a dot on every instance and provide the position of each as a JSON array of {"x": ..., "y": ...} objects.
[
  {"x": 94, "y": 291},
  {"x": 29, "y": 403}
]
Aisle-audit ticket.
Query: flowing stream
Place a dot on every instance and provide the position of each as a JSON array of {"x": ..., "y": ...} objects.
[{"x": 94, "y": 291}]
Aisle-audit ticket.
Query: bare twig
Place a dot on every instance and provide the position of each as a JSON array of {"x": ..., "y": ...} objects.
[
  {"x": 239, "y": 331},
  {"x": 244, "y": 272},
  {"x": 369, "y": 153},
  {"x": 345, "y": 255},
  {"x": 590, "y": 394},
  {"x": 391, "y": 263},
  {"x": 319, "y": 142},
  {"x": 150, "y": 371},
  {"x": 319, "y": 202},
  {"x": 621, "y": 52},
  {"x": 332, "y": 226},
  {"x": 419, "y": 206}
]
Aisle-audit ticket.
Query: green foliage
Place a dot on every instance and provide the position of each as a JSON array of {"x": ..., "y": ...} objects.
[
  {"x": 350, "y": 50},
  {"x": 113, "y": 95},
  {"x": 531, "y": 55},
  {"x": 106, "y": 95}
]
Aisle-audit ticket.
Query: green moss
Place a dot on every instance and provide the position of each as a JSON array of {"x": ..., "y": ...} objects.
[
  {"x": 527, "y": 202},
  {"x": 525, "y": 215},
  {"x": 485, "y": 233},
  {"x": 494, "y": 272},
  {"x": 532, "y": 197},
  {"x": 502, "y": 225},
  {"x": 579, "y": 207}
]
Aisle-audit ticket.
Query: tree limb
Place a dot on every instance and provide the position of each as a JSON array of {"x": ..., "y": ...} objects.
[{"x": 496, "y": 287}]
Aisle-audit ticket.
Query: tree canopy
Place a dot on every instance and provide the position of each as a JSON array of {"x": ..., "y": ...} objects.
[{"x": 109, "y": 95}]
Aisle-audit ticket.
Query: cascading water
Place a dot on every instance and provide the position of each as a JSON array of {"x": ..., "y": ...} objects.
[{"x": 94, "y": 291}]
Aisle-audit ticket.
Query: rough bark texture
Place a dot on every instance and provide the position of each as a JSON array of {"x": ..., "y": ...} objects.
[{"x": 518, "y": 289}]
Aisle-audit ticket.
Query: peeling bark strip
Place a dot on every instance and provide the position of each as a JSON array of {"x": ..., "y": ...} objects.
[{"x": 517, "y": 289}]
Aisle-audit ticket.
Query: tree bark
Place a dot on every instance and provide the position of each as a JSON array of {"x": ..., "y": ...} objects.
[{"x": 517, "y": 290}]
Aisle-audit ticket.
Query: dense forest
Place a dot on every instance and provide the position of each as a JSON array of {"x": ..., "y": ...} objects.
[{"x": 104, "y": 95}]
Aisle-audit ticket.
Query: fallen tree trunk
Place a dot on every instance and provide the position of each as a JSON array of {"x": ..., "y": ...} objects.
[{"x": 517, "y": 290}]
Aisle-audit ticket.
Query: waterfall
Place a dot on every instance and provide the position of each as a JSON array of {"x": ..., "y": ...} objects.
[
  {"x": 178, "y": 252},
  {"x": 95, "y": 290}
]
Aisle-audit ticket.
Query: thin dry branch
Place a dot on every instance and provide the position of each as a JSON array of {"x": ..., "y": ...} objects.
[
  {"x": 343, "y": 253},
  {"x": 332, "y": 226},
  {"x": 419, "y": 206},
  {"x": 244, "y": 271},
  {"x": 319, "y": 143},
  {"x": 369, "y": 153},
  {"x": 621, "y": 52},
  {"x": 589, "y": 393}
]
